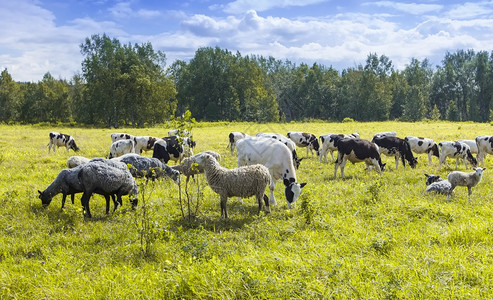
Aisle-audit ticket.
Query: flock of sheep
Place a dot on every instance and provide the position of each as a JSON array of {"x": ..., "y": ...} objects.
[{"x": 262, "y": 160}]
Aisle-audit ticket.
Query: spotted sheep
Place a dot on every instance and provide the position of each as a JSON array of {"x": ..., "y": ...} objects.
[
  {"x": 455, "y": 150},
  {"x": 357, "y": 150},
  {"x": 328, "y": 142},
  {"x": 303, "y": 139},
  {"x": 421, "y": 145},
  {"x": 397, "y": 147},
  {"x": 61, "y": 140},
  {"x": 277, "y": 158}
]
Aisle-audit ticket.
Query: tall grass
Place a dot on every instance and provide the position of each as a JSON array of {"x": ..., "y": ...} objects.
[{"x": 366, "y": 236}]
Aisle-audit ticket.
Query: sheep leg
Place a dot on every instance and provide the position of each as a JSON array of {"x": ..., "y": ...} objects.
[
  {"x": 107, "y": 198},
  {"x": 63, "y": 200},
  {"x": 396, "y": 162},
  {"x": 450, "y": 191},
  {"x": 85, "y": 204},
  {"x": 266, "y": 201},
  {"x": 259, "y": 201},
  {"x": 469, "y": 189},
  {"x": 116, "y": 202},
  {"x": 224, "y": 212}
]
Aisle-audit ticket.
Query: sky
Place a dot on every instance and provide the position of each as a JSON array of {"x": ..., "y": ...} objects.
[{"x": 40, "y": 36}]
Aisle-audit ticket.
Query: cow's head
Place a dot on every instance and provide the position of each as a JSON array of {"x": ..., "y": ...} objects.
[
  {"x": 434, "y": 150},
  {"x": 315, "y": 145},
  {"x": 73, "y": 146},
  {"x": 292, "y": 190},
  {"x": 471, "y": 159},
  {"x": 413, "y": 162},
  {"x": 45, "y": 198}
]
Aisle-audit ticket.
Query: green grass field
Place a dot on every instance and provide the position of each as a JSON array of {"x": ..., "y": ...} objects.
[{"x": 367, "y": 236}]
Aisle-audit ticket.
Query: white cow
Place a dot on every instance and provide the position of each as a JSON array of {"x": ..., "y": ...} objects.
[
  {"x": 121, "y": 147},
  {"x": 455, "y": 150},
  {"x": 328, "y": 143},
  {"x": 277, "y": 158},
  {"x": 485, "y": 146},
  {"x": 288, "y": 142},
  {"x": 423, "y": 145},
  {"x": 233, "y": 138}
]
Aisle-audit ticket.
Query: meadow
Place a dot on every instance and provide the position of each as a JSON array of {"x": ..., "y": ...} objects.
[{"x": 367, "y": 236}]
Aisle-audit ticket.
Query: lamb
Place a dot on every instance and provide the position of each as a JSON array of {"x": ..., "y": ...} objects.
[
  {"x": 141, "y": 166},
  {"x": 242, "y": 182},
  {"x": 436, "y": 184},
  {"x": 101, "y": 178},
  {"x": 67, "y": 183},
  {"x": 470, "y": 179},
  {"x": 189, "y": 168},
  {"x": 74, "y": 161}
]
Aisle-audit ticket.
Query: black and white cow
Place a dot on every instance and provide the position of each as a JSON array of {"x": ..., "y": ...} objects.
[
  {"x": 175, "y": 148},
  {"x": 61, "y": 140},
  {"x": 455, "y": 150},
  {"x": 328, "y": 142},
  {"x": 160, "y": 151},
  {"x": 121, "y": 147},
  {"x": 144, "y": 143},
  {"x": 397, "y": 147},
  {"x": 233, "y": 138},
  {"x": 303, "y": 139},
  {"x": 385, "y": 133},
  {"x": 485, "y": 146},
  {"x": 423, "y": 145},
  {"x": 121, "y": 136},
  {"x": 357, "y": 150}
]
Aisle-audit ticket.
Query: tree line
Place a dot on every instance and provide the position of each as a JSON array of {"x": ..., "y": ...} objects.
[{"x": 130, "y": 85}]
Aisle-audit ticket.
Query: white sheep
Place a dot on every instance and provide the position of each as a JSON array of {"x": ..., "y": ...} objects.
[
  {"x": 101, "y": 178},
  {"x": 436, "y": 184},
  {"x": 74, "y": 161},
  {"x": 470, "y": 179},
  {"x": 189, "y": 166},
  {"x": 242, "y": 182}
]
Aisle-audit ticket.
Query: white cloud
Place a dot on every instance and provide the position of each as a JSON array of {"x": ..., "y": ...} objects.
[
  {"x": 470, "y": 10},
  {"x": 241, "y": 6},
  {"x": 411, "y": 8}
]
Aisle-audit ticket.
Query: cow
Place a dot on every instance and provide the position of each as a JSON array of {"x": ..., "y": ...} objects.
[
  {"x": 357, "y": 150},
  {"x": 160, "y": 151},
  {"x": 121, "y": 147},
  {"x": 233, "y": 138},
  {"x": 485, "y": 146},
  {"x": 60, "y": 140},
  {"x": 423, "y": 145},
  {"x": 472, "y": 145},
  {"x": 277, "y": 157},
  {"x": 121, "y": 136},
  {"x": 144, "y": 143},
  {"x": 288, "y": 142},
  {"x": 328, "y": 143},
  {"x": 397, "y": 147},
  {"x": 386, "y": 133},
  {"x": 455, "y": 150},
  {"x": 303, "y": 139},
  {"x": 176, "y": 148}
]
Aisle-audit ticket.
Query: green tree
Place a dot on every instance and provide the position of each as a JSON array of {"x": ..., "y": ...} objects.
[{"x": 10, "y": 98}]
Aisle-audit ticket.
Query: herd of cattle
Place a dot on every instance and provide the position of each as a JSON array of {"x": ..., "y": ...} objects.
[{"x": 278, "y": 152}]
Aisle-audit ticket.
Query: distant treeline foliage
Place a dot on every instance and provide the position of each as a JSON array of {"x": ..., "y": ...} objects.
[{"x": 130, "y": 85}]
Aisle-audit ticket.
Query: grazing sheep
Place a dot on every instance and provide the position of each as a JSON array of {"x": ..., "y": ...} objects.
[
  {"x": 141, "y": 166},
  {"x": 101, "y": 178},
  {"x": 189, "y": 167},
  {"x": 67, "y": 183},
  {"x": 470, "y": 179},
  {"x": 436, "y": 184},
  {"x": 242, "y": 182},
  {"x": 74, "y": 161}
]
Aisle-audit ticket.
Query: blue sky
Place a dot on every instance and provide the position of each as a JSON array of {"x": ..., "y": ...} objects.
[{"x": 39, "y": 36}]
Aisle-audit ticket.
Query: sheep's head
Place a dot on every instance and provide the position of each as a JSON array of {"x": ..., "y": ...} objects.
[
  {"x": 45, "y": 198},
  {"x": 431, "y": 178},
  {"x": 479, "y": 171}
]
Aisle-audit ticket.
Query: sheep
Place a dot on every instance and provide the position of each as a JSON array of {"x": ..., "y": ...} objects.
[
  {"x": 436, "y": 184},
  {"x": 141, "y": 166},
  {"x": 67, "y": 183},
  {"x": 242, "y": 182},
  {"x": 101, "y": 178},
  {"x": 74, "y": 161},
  {"x": 189, "y": 168},
  {"x": 470, "y": 179}
]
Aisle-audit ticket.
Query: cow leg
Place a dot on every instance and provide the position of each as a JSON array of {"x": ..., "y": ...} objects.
[
  {"x": 396, "y": 162},
  {"x": 343, "y": 165},
  {"x": 429, "y": 157},
  {"x": 272, "y": 185},
  {"x": 331, "y": 154}
]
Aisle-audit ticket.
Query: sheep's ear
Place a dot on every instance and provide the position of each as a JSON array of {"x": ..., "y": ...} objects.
[
  {"x": 427, "y": 175},
  {"x": 40, "y": 192},
  {"x": 302, "y": 185}
]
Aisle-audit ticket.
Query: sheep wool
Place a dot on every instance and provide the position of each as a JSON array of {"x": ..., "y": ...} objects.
[
  {"x": 189, "y": 166},
  {"x": 74, "y": 161},
  {"x": 242, "y": 182},
  {"x": 141, "y": 166},
  {"x": 469, "y": 180}
]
